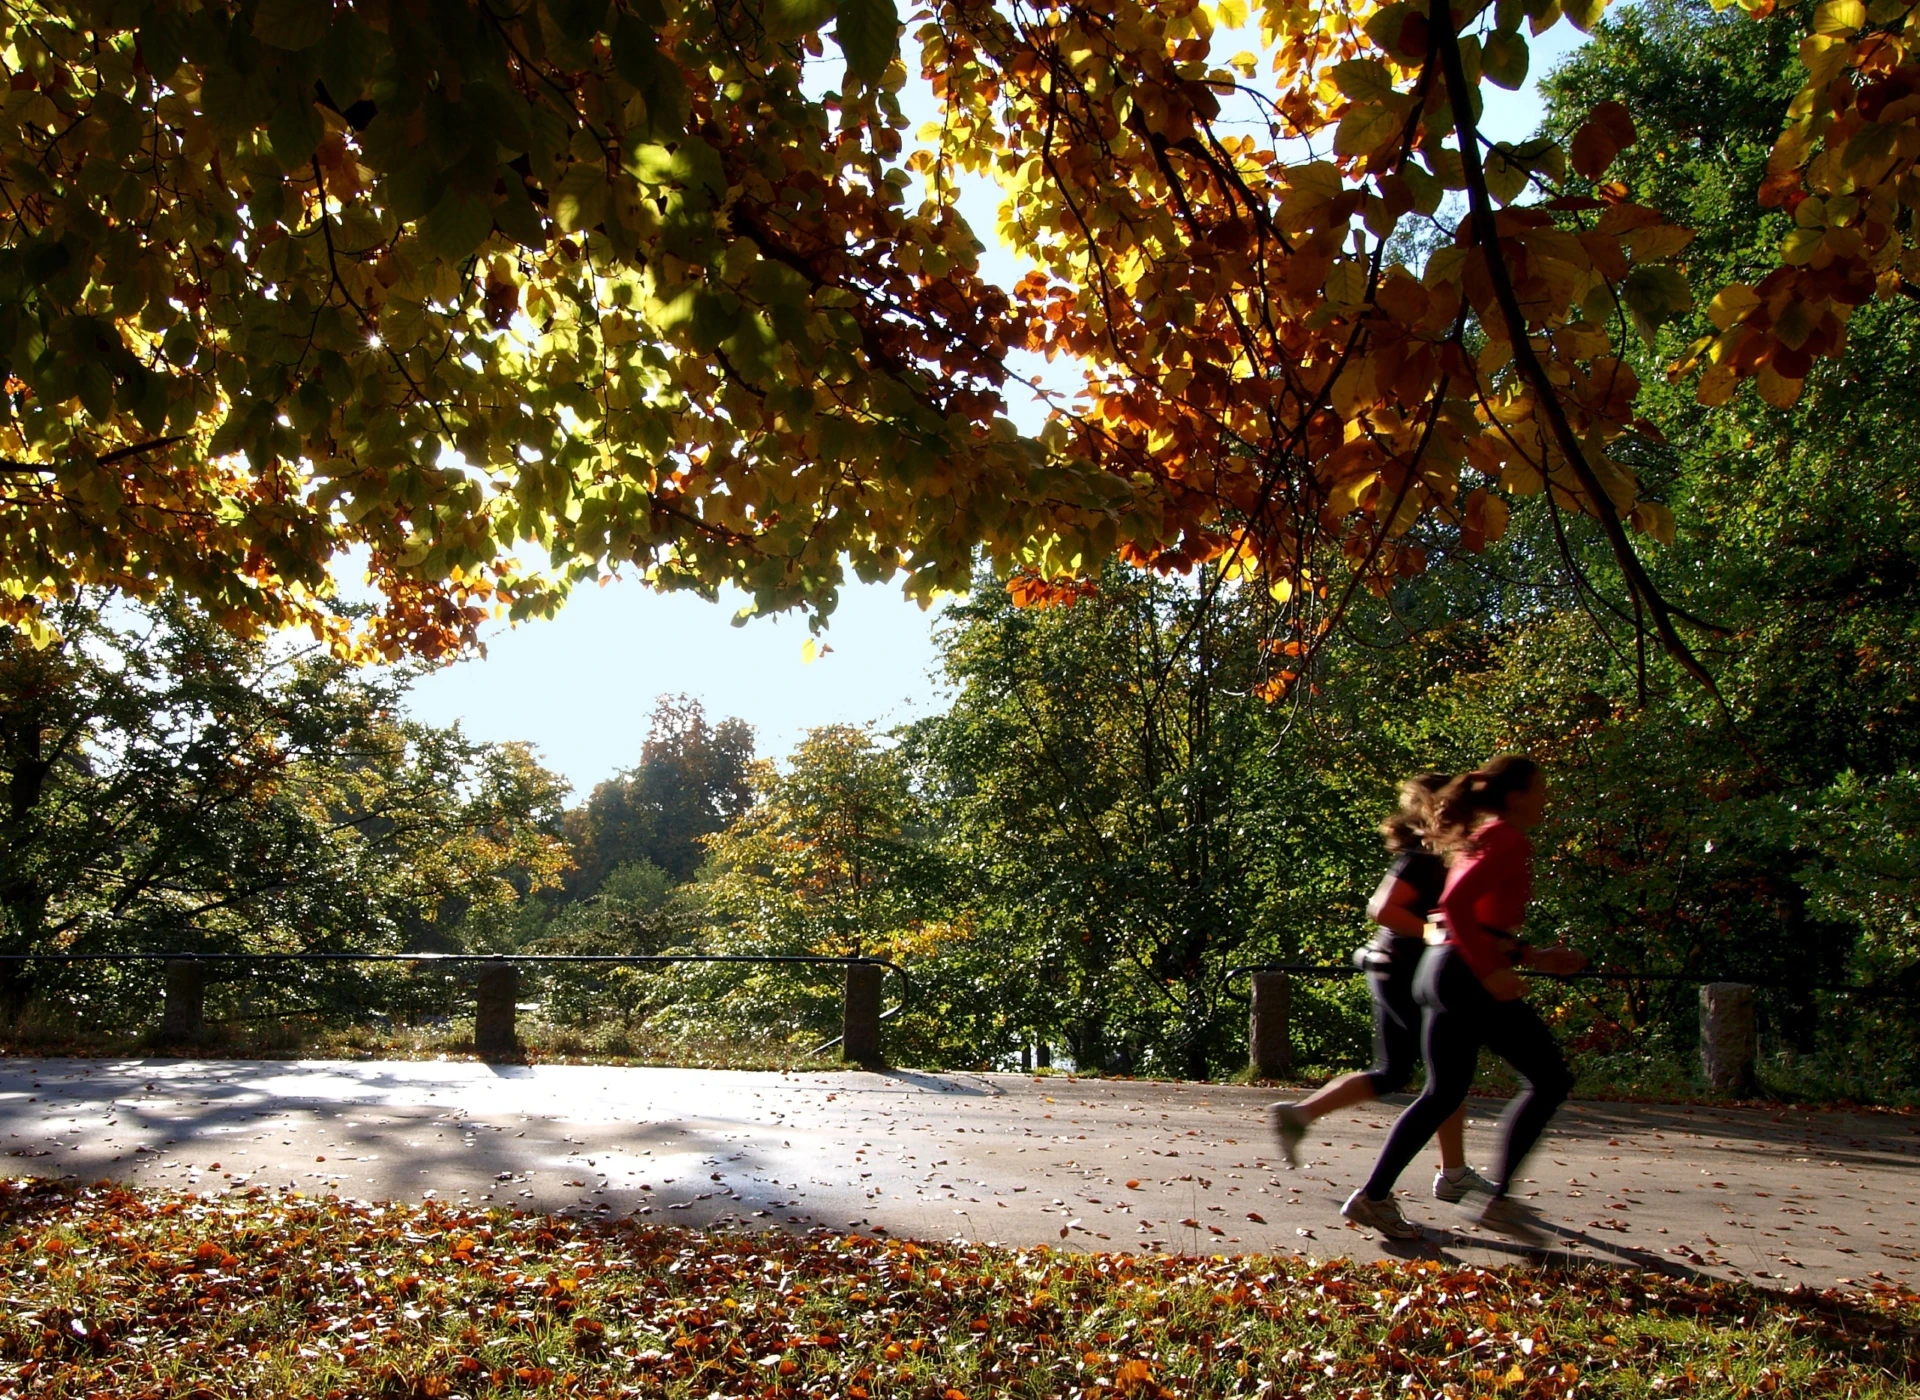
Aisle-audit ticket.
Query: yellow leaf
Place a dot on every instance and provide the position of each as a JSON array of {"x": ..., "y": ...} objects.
[
  {"x": 1731, "y": 305},
  {"x": 1839, "y": 17},
  {"x": 1824, "y": 55},
  {"x": 1344, "y": 499},
  {"x": 1652, "y": 518},
  {"x": 1365, "y": 128},
  {"x": 1778, "y": 391},
  {"x": 1717, "y": 385}
]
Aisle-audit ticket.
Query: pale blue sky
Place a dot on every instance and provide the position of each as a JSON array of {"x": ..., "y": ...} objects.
[{"x": 581, "y": 686}]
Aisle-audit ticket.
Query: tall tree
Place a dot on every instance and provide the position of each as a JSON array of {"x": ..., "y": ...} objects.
[
  {"x": 1101, "y": 776},
  {"x": 824, "y": 849},
  {"x": 693, "y": 778}
]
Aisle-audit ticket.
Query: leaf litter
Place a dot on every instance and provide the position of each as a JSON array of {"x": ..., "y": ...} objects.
[{"x": 141, "y": 1294}]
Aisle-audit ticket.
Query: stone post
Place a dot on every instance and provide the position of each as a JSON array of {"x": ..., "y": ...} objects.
[
  {"x": 860, "y": 1015},
  {"x": 494, "y": 1037},
  {"x": 1269, "y": 1029},
  {"x": 184, "y": 1018},
  {"x": 1728, "y": 1045}
]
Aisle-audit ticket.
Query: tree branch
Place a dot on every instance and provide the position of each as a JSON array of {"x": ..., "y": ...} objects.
[{"x": 1486, "y": 236}]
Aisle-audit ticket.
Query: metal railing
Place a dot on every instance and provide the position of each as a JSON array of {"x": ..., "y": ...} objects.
[
  {"x": 1729, "y": 1036},
  {"x": 495, "y": 1034},
  {"x": 1589, "y": 975}
]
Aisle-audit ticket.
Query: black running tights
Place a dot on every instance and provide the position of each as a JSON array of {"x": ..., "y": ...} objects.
[{"x": 1460, "y": 1018}]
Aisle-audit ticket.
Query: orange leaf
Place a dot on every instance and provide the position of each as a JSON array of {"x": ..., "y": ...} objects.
[{"x": 1607, "y": 132}]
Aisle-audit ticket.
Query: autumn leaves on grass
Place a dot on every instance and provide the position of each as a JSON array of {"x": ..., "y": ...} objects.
[{"x": 150, "y": 1294}]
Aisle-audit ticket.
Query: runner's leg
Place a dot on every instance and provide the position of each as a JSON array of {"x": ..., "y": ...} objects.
[
  {"x": 1515, "y": 1032},
  {"x": 1450, "y": 1037},
  {"x": 1396, "y": 1050},
  {"x": 1452, "y": 1137}
]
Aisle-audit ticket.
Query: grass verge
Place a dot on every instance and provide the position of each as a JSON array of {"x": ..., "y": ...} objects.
[{"x": 146, "y": 1294}]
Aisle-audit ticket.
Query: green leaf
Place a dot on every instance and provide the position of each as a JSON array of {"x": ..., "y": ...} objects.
[
  {"x": 295, "y": 132},
  {"x": 789, "y": 19},
  {"x": 1365, "y": 128},
  {"x": 236, "y": 100},
  {"x": 96, "y": 390},
  {"x": 868, "y": 32},
  {"x": 1583, "y": 14},
  {"x": 348, "y": 57},
  {"x": 1506, "y": 173},
  {"x": 690, "y": 164},
  {"x": 776, "y": 284},
  {"x": 292, "y": 24},
  {"x": 457, "y": 225},
  {"x": 1654, "y": 294},
  {"x": 515, "y": 215},
  {"x": 580, "y": 201},
  {"x": 1383, "y": 26},
  {"x": 1363, "y": 79},
  {"x": 1504, "y": 59},
  {"x": 638, "y": 59},
  {"x": 716, "y": 315},
  {"x": 1427, "y": 189}
]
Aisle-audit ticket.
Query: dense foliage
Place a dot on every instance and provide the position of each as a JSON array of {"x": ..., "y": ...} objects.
[
  {"x": 1123, "y": 821},
  {"x": 170, "y": 788},
  {"x": 446, "y": 285}
]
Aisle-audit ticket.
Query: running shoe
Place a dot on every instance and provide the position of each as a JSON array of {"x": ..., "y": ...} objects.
[
  {"x": 1506, "y": 1216},
  {"x": 1289, "y": 1125},
  {"x": 1383, "y": 1216},
  {"x": 1455, "y": 1189}
]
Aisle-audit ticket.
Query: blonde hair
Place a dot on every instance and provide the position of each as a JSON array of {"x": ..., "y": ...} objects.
[{"x": 1411, "y": 825}]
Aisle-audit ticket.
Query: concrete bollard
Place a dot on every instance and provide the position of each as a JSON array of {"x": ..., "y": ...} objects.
[
  {"x": 494, "y": 1037},
  {"x": 860, "y": 1015},
  {"x": 1728, "y": 1044},
  {"x": 184, "y": 1016},
  {"x": 1269, "y": 1029}
]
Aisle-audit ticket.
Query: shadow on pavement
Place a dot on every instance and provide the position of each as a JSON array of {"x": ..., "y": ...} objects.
[{"x": 944, "y": 1083}]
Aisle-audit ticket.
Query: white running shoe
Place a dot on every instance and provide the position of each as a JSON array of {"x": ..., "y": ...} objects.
[
  {"x": 1508, "y": 1217},
  {"x": 1289, "y": 1125},
  {"x": 1455, "y": 1189},
  {"x": 1383, "y": 1216}
]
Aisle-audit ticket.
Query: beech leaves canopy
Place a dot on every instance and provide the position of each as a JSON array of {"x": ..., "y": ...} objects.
[{"x": 486, "y": 297}]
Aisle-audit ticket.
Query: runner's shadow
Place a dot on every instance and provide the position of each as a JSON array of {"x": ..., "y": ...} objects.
[{"x": 1435, "y": 1243}]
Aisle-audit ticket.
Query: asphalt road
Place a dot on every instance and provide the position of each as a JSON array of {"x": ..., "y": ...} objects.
[{"x": 1778, "y": 1196}]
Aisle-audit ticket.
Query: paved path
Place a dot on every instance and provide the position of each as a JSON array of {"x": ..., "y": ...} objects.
[{"x": 1778, "y": 1196}]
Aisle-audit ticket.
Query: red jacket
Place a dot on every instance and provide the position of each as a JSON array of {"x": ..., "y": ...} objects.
[{"x": 1487, "y": 893}]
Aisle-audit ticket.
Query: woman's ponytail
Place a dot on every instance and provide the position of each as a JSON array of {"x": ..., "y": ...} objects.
[
  {"x": 1411, "y": 826},
  {"x": 1472, "y": 797}
]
